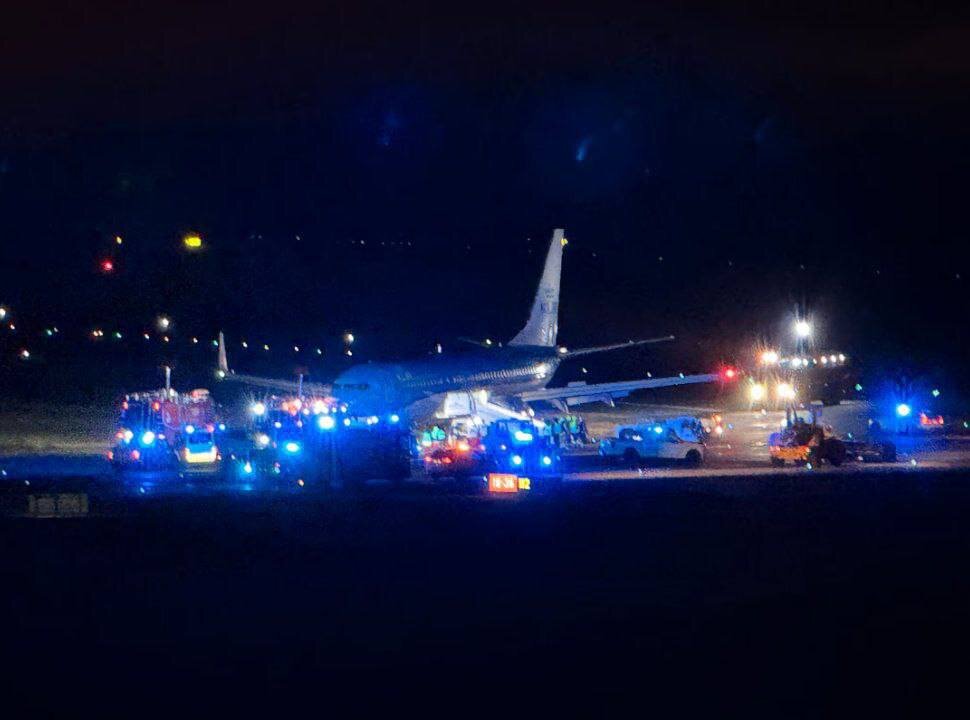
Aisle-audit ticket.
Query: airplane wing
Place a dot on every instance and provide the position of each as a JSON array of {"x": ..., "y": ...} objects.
[
  {"x": 580, "y": 393},
  {"x": 615, "y": 346},
  {"x": 225, "y": 374}
]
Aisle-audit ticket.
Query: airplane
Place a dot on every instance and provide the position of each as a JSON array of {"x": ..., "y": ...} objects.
[{"x": 484, "y": 381}]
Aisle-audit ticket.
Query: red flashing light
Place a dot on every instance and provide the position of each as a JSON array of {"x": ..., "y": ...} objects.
[
  {"x": 107, "y": 266},
  {"x": 135, "y": 455},
  {"x": 729, "y": 373},
  {"x": 156, "y": 406}
]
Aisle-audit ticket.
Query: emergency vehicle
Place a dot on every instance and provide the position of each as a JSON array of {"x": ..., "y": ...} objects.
[
  {"x": 315, "y": 442},
  {"x": 165, "y": 429},
  {"x": 680, "y": 438}
]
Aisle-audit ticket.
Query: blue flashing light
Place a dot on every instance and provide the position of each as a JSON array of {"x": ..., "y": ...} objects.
[
  {"x": 222, "y": 427},
  {"x": 936, "y": 392},
  {"x": 546, "y": 460},
  {"x": 517, "y": 460},
  {"x": 658, "y": 429},
  {"x": 903, "y": 410},
  {"x": 277, "y": 424},
  {"x": 346, "y": 422},
  {"x": 248, "y": 468},
  {"x": 394, "y": 418},
  {"x": 189, "y": 429},
  {"x": 128, "y": 435},
  {"x": 147, "y": 437},
  {"x": 292, "y": 447},
  {"x": 326, "y": 422},
  {"x": 522, "y": 436}
]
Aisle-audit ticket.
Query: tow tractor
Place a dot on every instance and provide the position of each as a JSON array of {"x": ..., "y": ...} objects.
[{"x": 807, "y": 441}]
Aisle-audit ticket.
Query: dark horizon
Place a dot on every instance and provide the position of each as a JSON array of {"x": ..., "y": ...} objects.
[{"x": 772, "y": 159}]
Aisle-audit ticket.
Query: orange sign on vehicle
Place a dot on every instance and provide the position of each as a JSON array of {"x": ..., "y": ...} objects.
[{"x": 503, "y": 483}]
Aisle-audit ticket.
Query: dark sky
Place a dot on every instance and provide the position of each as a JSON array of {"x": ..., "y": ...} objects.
[{"x": 769, "y": 157}]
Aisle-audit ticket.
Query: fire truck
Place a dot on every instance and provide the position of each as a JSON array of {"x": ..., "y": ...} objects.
[{"x": 165, "y": 429}]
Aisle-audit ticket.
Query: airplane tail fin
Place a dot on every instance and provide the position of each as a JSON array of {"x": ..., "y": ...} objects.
[
  {"x": 223, "y": 362},
  {"x": 543, "y": 325}
]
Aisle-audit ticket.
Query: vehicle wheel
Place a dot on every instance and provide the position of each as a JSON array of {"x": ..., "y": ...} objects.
[
  {"x": 777, "y": 462},
  {"x": 631, "y": 457},
  {"x": 693, "y": 458},
  {"x": 888, "y": 452},
  {"x": 835, "y": 452}
]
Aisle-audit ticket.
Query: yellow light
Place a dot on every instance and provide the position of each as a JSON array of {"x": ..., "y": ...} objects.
[
  {"x": 118, "y": 240},
  {"x": 565, "y": 242},
  {"x": 192, "y": 241}
]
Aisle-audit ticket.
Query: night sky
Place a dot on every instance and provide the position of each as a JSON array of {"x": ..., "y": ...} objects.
[{"x": 398, "y": 169}]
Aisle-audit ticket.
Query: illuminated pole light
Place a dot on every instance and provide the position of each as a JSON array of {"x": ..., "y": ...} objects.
[
  {"x": 25, "y": 354},
  {"x": 118, "y": 240},
  {"x": 319, "y": 351},
  {"x": 349, "y": 338},
  {"x": 348, "y": 352},
  {"x": 935, "y": 393},
  {"x": 296, "y": 348},
  {"x": 266, "y": 348},
  {"x": 146, "y": 336},
  {"x": 195, "y": 341},
  {"x": 163, "y": 322},
  {"x": 3, "y": 312},
  {"x": 165, "y": 338},
  {"x": 802, "y": 329},
  {"x": 245, "y": 344},
  {"x": 437, "y": 348}
]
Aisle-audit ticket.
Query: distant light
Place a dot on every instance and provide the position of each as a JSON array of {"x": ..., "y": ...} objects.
[
  {"x": 796, "y": 362},
  {"x": 220, "y": 373},
  {"x": 546, "y": 460},
  {"x": 245, "y": 344},
  {"x": 563, "y": 350},
  {"x": 841, "y": 357},
  {"x": 319, "y": 351},
  {"x": 858, "y": 387},
  {"x": 395, "y": 417},
  {"x": 296, "y": 348},
  {"x": 348, "y": 338},
  {"x": 128, "y": 435},
  {"x": 292, "y": 447},
  {"x": 756, "y": 392},
  {"x": 189, "y": 429},
  {"x": 372, "y": 420},
  {"x": 118, "y": 240},
  {"x": 326, "y": 422},
  {"x": 658, "y": 429},
  {"x": 195, "y": 341},
  {"x": 784, "y": 391},
  {"x": 48, "y": 332},
  {"x": 802, "y": 328},
  {"x": 117, "y": 335},
  {"x": 215, "y": 343},
  {"x": 824, "y": 360},
  {"x": 318, "y": 407},
  {"x": 936, "y": 393},
  {"x": 348, "y": 352},
  {"x": 3, "y": 312},
  {"x": 258, "y": 409},
  {"x": 834, "y": 358},
  {"x": 107, "y": 266},
  {"x": 769, "y": 357},
  {"x": 266, "y": 347},
  {"x": 248, "y": 468},
  {"x": 25, "y": 354},
  {"x": 516, "y": 460},
  {"x": 222, "y": 427},
  {"x": 147, "y": 437},
  {"x": 903, "y": 410},
  {"x": 488, "y": 341},
  {"x": 165, "y": 338},
  {"x": 262, "y": 440},
  {"x": 300, "y": 482},
  {"x": 437, "y": 348},
  {"x": 192, "y": 241}
]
